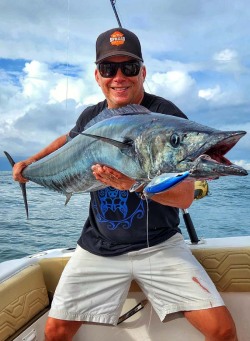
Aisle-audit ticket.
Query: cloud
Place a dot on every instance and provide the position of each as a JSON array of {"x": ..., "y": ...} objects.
[
  {"x": 36, "y": 81},
  {"x": 38, "y": 108},
  {"x": 243, "y": 164},
  {"x": 175, "y": 83},
  {"x": 210, "y": 94},
  {"x": 228, "y": 61},
  {"x": 226, "y": 55}
]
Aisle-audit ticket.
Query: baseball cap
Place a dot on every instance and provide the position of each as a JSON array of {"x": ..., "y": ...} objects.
[{"x": 118, "y": 42}]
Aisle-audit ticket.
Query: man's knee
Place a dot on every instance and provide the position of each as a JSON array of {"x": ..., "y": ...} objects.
[
  {"x": 214, "y": 323},
  {"x": 225, "y": 332},
  {"x": 54, "y": 330},
  {"x": 58, "y": 330},
  {"x": 224, "y": 326}
]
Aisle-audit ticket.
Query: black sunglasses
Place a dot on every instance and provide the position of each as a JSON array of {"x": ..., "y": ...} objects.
[{"x": 129, "y": 68}]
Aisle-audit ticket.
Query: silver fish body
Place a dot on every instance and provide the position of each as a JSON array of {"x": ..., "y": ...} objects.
[{"x": 140, "y": 144}]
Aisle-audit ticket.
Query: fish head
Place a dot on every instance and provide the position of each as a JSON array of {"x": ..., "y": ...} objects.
[
  {"x": 209, "y": 161},
  {"x": 188, "y": 146},
  {"x": 163, "y": 149}
]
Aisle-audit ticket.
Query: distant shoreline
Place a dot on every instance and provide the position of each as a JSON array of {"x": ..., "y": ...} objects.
[{"x": 5, "y": 165}]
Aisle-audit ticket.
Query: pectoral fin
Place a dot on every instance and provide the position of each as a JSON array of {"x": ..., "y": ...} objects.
[
  {"x": 125, "y": 146},
  {"x": 68, "y": 196}
]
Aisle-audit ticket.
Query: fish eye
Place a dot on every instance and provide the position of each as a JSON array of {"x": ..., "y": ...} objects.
[{"x": 175, "y": 140}]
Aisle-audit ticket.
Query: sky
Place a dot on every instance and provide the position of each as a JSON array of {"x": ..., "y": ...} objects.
[{"x": 197, "y": 54}]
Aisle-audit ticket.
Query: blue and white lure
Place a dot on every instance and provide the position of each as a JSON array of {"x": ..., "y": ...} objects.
[{"x": 163, "y": 183}]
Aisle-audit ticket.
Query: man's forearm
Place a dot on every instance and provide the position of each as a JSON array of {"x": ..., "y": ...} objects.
[
  {"x": 180, "y": 196},
  {"x": 53, "y": 146}
]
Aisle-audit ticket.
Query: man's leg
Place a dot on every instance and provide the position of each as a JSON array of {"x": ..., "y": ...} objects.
[
  {"x": 216, "y": 324},
  {"x": 181, "y": 284},
  {"x": 58, "y": 330},
  {"x": 87, "y": 283}
]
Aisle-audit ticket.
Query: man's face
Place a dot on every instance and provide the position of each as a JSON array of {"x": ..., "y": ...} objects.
[{"x": 121, "y": 90}]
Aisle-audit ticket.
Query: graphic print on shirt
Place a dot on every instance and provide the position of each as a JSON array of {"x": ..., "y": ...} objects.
[{"x": 113, "y": 201}]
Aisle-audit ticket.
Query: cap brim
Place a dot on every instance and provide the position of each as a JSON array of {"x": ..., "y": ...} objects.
[{"x": 118, "y": 53}]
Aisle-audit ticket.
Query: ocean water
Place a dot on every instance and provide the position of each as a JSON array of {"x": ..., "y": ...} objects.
[{"x": 224, "y": 212}]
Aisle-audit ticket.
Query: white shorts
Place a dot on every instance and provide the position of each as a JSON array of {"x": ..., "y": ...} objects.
[{"x": 94, "y": 288}]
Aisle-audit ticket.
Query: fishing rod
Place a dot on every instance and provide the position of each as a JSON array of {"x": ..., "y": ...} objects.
[
  {"x": 186, "y": 216},
  {"x": 115, "y": 12}
]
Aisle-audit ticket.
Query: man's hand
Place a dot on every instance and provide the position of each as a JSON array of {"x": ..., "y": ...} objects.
[
  {"x": 111, "y": 177},
  {"x": 17, "y": 170}
]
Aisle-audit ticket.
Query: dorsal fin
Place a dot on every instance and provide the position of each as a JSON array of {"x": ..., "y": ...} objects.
[{"x": 130, "y": 109}]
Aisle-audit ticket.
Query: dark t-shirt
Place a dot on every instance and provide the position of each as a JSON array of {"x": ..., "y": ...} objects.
[{"x": 120, "y": 221}]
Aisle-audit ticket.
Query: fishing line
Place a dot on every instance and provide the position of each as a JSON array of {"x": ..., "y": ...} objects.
[
  {"x": 149, "y": 90},
  {"x": 149, "y": 262},
  {"x": 67, "y": 64},
  {"x": 147, "y": 220}
]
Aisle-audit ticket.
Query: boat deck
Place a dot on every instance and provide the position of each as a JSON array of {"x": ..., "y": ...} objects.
[{"x": 27, "y": 286}]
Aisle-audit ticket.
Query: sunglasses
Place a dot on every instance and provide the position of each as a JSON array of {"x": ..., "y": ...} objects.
[{"x": 129, "y": 68}]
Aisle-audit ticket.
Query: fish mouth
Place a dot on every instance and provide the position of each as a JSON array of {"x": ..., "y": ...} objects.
[{"x": 209, "y": 160}]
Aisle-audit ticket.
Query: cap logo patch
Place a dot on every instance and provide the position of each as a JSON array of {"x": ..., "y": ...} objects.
[{"x": 117, "y": 38}]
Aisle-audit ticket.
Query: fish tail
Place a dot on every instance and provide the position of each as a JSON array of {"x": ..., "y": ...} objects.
[{"x": 22, "y": 185}]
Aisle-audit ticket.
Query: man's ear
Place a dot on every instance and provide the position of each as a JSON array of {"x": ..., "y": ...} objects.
[
  {"x": 97, "y": 77},
  {"x": 144, "y": 72}
]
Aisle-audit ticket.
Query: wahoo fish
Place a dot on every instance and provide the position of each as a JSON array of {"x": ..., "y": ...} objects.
[{"x": 148, "y": 147}]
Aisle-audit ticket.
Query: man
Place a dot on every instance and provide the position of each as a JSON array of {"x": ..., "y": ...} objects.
[{"x": 121, "y": 239}]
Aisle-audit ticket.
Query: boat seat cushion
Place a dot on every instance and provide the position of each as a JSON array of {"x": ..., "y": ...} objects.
[
  {"x": 228, "y": 267},
  {"x": 23, "y": 295}
]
